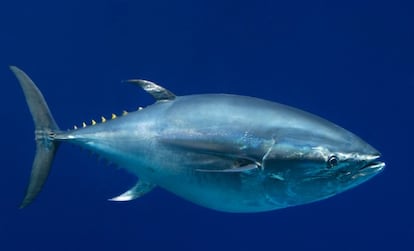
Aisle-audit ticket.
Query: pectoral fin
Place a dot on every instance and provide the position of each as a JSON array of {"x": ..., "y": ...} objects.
[
  {"x": 214, "y": 147},
  {"x": 244, "y": 169},
  {"x": 141, "y": 188}
]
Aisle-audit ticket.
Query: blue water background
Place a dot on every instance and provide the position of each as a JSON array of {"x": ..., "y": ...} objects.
[{"x": 351, "y": 62}]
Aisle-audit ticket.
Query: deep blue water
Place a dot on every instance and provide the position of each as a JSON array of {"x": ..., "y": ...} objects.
[{"x": 350, "y": 62}]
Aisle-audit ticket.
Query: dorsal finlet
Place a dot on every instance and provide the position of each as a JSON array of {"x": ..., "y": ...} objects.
[
  {"x": 113, "y": 116},
  {"x": 83, "y": 124},
  {"x": 124, "y": 113},
  {"x": 158, "y": 92},
  {"x": 93, "y": 122},
  {"x": 103, "y": 119},
  {"x": 75, "y": 127}
]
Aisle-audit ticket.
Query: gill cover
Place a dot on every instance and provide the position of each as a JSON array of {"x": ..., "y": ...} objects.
[{"x": 45, "y": 129}]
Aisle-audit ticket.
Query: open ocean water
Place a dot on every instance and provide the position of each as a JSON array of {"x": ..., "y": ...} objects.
[{"x": 351, "y": 62}]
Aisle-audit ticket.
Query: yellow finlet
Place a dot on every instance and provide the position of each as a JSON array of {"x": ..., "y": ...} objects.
[
  {"x": 124, "y": 113},
  {"x": 140, "y": 108},
  {"x": 83, "y": 124},
  {"x": 75, "y": 127},
  {"x": 103, "y": 119},
  {"x": 93, "y": 122},
  {"x": 113, "y": 116}
]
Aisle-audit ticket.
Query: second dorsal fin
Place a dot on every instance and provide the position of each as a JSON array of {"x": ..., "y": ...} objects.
[{"x": 158, "y": 92}]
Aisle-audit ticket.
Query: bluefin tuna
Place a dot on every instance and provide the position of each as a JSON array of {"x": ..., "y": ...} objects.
[{"x": 225, "y": 152}]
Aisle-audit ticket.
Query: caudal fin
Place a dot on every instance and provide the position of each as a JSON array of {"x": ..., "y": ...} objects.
[{"x": 45, "y": 129}]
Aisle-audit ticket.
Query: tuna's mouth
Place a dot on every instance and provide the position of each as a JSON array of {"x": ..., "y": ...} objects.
[{"x": 372, "y": 167}]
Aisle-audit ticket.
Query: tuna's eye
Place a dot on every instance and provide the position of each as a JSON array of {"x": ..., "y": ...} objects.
[{"x": 332, "y": 161}]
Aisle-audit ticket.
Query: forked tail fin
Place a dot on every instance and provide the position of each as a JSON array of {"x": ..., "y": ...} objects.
[{"x": 45, "y": 129}]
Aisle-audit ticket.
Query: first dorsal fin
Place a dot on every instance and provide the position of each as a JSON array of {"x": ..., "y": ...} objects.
[{"x": 158, "y": 92}]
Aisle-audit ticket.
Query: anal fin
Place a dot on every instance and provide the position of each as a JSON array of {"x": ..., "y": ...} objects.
[{"x": 141, "y": 188}]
